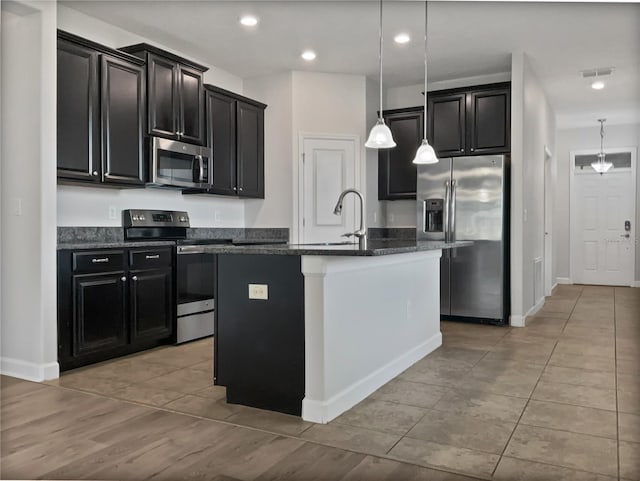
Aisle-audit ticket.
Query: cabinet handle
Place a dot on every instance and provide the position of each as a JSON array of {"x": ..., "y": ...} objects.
[
  {"x": 472, "y": 149},
  {"x": 240, "y": 189},
  {"x": 462, "y": 150},
  {"x": 156, "y": 256},
  {"x": 95, "y": 173},
  {"x": 134, "y": 278},
  {"x": 102, "y": 259},
  {"x": 235, "y": 189},
  {"x": 123, "y": 278}
]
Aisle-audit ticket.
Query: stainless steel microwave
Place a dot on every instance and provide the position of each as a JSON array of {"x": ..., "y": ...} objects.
[{"x": 178, "y": 164}]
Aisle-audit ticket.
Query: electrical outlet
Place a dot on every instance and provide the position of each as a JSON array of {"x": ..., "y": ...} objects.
[
  {"x": 259, "y": 291},
  {"x": 375, "y": 217},
  {"x": 113, "y": 212},
  {"x": 391, "y": 218},
  {"x": 525, "y": 215},
  {"x": 217, "y": 216},
  {"x": 17, "y": 206}
]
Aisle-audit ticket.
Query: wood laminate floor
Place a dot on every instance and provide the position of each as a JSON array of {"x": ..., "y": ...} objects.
[{"x": 557, "y": 400}]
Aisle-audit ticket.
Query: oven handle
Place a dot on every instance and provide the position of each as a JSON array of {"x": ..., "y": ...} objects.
[{"x": 190, "y": 250}]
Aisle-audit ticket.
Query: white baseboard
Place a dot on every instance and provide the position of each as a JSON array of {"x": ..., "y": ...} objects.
[
  {"x": 325, "y": 411},
  {"x": 554, "y": 286},
  {"x": 28, "y": 370},
  {"x": 520, "y": 321},
  {"x": 636, "y": 284},
  {"x": 564, "y": 280}
]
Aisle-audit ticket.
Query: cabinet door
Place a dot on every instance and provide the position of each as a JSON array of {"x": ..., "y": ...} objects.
[
  {"x": 99, "y": 313},
  {"x": 152, "y": 306},
  {"x": 397, "y": 175},
  {"x": 78, "y": 124},
  {"x": 122, "y": 101},
  {"x": 221, "y": 131},
  {"x": 191, "y": 105},
  {"x": 489, "y": 121},
  {"x": 250, "y": 150},
  {"x": 446, "y": 128},
  {"x": 162, "y": 96}
]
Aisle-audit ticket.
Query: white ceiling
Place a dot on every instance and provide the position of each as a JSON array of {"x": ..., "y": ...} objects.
[{"x": 465, "y": 39}]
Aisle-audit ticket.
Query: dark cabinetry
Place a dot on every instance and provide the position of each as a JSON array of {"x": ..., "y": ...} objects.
[
  {"x": 259, "y": 344},
  {"x": 100, "y": 123},
  {"x": 110, "y": 306},
  {"x": 175, "y": 102},
  {"x": 235, "y": 132},
  {"x": 470, "y": 121},
  {"x": 396, "y": 173},
  {"x": 465, "y": 121}
]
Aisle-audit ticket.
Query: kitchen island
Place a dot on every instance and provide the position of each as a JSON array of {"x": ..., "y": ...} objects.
[{"x": 312, "y": 330}]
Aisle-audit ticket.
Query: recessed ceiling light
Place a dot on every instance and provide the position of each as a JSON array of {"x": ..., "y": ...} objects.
[
  {"x": 597, "y": 85},
  {"x": 308, "y": 55},
  {"x": 249, "y": 21},
  {"x": 402, "y": 38}
]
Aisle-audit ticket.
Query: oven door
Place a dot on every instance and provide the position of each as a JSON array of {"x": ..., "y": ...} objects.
[
  {"x": 179, "y": 164},
  {"x": 195, "y": 281}
]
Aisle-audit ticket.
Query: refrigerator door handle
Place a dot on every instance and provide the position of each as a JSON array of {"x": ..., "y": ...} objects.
[
  {"x": 452, "y": 214},
  {"x": 447, "y": 204}
]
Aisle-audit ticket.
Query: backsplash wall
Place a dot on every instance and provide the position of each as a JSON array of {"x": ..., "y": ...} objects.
[{"x": 88, "y": 206}]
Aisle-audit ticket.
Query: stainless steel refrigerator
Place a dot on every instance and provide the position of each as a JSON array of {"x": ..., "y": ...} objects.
[{"x": 467, "y": 198}]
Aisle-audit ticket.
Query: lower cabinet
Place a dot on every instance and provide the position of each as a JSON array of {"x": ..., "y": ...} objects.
[
  {"x": 113, "y": 302},
  {"x": 150, "y": 294}
]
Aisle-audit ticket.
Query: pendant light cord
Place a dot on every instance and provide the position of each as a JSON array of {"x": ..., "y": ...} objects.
[
  {"x": 601, "y": 141},
  {"x": 426, "y": 4},
  {"x": 380, "y": 58}
]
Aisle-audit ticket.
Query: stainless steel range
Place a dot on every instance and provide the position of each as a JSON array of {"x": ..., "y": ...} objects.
[{"x": 195, "y": 269}]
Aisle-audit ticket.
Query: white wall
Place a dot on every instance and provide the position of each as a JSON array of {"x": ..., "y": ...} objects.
[
  {"x": 375, "y": 208},
  {"x": 89, "y": 206},
  {"x": 276, "y": 210},
  {"x": 28, "y": 245},
  {"x": 626, "y": 135},
  {"x": 532, "y": 128},
  {"x": 539, "y": 131},
  {"x": 411, "y": 95}
]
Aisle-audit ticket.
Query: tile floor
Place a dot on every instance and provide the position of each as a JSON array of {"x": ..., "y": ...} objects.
[{"x": 559, "y": 399}]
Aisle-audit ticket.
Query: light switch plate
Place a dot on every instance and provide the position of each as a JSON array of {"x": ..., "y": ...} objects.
[{"x": 259, "y": 291}]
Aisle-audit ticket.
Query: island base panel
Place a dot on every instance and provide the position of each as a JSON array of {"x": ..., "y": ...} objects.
[{"x": 260, "y": 342}]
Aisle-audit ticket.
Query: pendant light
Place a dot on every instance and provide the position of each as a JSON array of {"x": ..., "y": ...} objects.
[
  {"x": 425, "y": 154},
  {"x": 380, "y": 136},
  {"x": 600, "y": 166}
]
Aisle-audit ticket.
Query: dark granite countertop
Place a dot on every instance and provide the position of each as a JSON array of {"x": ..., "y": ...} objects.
[
  {"x": 375, "y": 248},
  {"x": 112, "y": 244}
]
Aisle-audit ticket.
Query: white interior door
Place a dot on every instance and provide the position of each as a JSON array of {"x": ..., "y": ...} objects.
[
  {"x": 602, "y": 227},
  {"x": 329, "y": 167}
]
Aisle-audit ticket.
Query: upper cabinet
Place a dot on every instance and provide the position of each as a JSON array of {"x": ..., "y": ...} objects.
[
  {"x": 235, "y": 133},
  {"x": 470, "y": 121},
  {"x": 100, "y": 105},
  {"x": 175, "y": 94},
  {"x": 396, "y": 172},
  {"x": 465, "y": 121}
]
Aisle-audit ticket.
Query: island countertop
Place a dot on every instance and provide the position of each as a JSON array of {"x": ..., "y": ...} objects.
[{"x": 380, "y": 247}]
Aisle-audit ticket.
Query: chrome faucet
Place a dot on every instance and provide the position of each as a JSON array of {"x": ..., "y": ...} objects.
[{"x": 361, "y": 233}]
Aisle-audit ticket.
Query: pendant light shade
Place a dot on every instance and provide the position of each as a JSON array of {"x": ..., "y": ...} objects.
[
  {"x": 425, "y": 153},
  {"x": 380, "y": 136},
  {"x": 601, "y": 165}
]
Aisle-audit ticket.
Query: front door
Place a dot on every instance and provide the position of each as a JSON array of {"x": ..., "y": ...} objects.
[
  {"x": 603, "y": 223},
  {"x": 329, "y": 167}
]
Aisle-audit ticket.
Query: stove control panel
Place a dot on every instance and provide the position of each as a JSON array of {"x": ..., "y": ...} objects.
[{"x": 154, "y": 218}]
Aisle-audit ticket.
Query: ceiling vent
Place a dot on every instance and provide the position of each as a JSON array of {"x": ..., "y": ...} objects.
[{"x": 597, "y": 72}]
